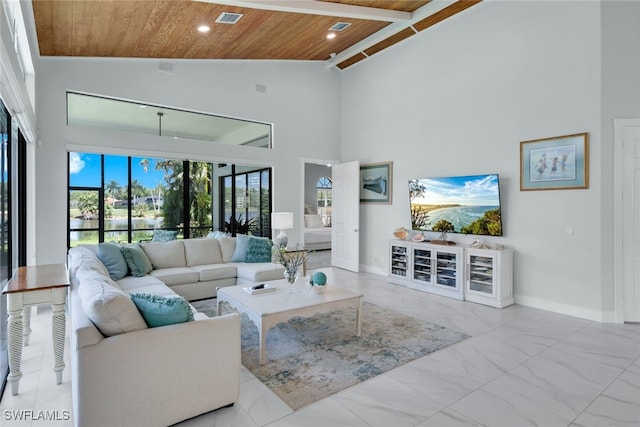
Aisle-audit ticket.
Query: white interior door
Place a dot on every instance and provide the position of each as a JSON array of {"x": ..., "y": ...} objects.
[
  {"x": 631, "y": 223},
  {"x": 627, "y": 220},
  {"x": 345, "y": 236}
]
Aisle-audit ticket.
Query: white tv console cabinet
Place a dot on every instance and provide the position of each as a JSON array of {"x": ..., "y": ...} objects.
[{"x": 483, "y": 276}]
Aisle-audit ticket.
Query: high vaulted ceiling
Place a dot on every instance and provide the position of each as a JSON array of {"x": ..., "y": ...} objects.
[{"x": 268, "y": 29}]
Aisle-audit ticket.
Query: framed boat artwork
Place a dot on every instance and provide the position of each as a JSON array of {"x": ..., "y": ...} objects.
[{"x": 376, "y": 183}]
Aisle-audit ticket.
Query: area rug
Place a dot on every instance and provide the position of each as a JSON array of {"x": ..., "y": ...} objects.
[{"x": 309, "y": 359}]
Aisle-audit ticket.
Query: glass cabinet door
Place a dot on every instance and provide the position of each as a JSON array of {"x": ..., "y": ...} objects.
[
  {"x": 446, "y": 269},
  {"x": 422, "y": 265},
  {"x": 399, "y": 260},
  {"x": 481, "y": 274}
]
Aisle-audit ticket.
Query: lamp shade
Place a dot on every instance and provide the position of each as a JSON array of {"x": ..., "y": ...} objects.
[{"x": 282, "y": 220}]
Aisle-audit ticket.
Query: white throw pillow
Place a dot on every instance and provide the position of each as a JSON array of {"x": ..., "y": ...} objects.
[
  {"x": 109, "y": 308},
  {"x": 165, "y": 254},
  {"x": 202, "y": 252},
  {"x": 227, "y": 247},
  {"x": 84, "y": 257},
  {"x": 313, "y": 221}
]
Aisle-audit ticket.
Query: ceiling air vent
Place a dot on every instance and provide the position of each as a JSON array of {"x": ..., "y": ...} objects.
[
  {"x": 228, "y": 18},
  {"x": 339, "y": 26}
]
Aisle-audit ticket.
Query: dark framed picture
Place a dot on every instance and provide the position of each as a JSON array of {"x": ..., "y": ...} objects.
[
  {"x": 376, "y": 182},
  {"x": 557, "y": 163}
]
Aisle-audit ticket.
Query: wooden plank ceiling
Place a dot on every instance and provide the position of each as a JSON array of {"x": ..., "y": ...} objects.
[{"x": 168, "y": 28}]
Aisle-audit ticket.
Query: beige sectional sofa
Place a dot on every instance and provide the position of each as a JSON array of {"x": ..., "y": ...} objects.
[{"x": 126, "y": 373}]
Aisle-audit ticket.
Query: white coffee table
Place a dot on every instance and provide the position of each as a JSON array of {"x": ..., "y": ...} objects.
[{"x": 270, "y": 308}]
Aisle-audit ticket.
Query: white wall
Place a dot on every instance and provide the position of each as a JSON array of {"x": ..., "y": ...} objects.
[
  {"x": 306, "y": 120},
  {"x": 457, "y": 99}
]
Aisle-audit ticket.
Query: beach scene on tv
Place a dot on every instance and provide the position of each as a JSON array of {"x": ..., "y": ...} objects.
[{"x": 470, "y": 204}]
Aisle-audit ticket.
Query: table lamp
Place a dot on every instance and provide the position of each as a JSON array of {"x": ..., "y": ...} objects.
[{"x": 282, "y": 221}]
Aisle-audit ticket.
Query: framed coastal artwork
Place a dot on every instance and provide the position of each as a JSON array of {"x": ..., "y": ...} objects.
[
  {"x": 557, "y": 163},
  {"x": 376, "y": 182}
]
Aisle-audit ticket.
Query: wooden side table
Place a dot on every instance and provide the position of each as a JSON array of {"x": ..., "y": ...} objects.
[{"x": 38, "y": 284}]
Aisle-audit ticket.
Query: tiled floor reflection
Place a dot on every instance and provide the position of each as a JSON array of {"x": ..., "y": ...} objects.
[{"x": 521, "y": 367}]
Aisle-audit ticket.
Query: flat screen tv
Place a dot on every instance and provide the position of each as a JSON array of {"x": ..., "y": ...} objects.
[{"x": 471, "y": 204}]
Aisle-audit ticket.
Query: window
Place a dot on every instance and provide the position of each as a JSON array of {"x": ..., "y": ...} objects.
[
  {"x": 123, "y": 199},
  {"x": 129, "y": 116},
  {"x": 245, "y": 199},
  {"x": 324, "y": 199}
]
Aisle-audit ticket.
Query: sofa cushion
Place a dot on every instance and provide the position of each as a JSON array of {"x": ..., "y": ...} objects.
[
  {"x": 215, "y": 271},
  {"x": 165, "y": 254},
  {"x": 240, "y": 253},
  {"x": 111, "y": 257},
  {"x": 136, "y": 259},
  {"x": 259, "y": 272},
  {"x": 161, "y": 311},
  {"x": 164, "y": 235},
  {"x": 131, "y": 282},
  {"x": 258, "y": 250},
  {"x": 202, "y": 251},
  {"x": 176, "y": 275},
  {"x": 157, "y": 289},
  {"x": 227, "y": 247},
  {"x": 108, "y": 307}
]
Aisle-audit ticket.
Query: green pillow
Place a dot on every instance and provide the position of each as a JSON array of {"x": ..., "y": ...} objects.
[
  {"x": 136, "y": 259},
  {"x": 258, "y": 249},
  {"x": 164, "y": 235},
  {"x": 111, "y": 257},
  {"x": 160, "y": 311}
]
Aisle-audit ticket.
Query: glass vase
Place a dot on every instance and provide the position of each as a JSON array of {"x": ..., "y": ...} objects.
[{"x": 292, "y": 275}]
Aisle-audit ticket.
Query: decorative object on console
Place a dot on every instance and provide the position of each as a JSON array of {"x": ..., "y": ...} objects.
[
  {"x": 557, "y": 163},
  {"x": 443, "y": 226},
  {"x": 401, "y": 233},
  {"x": 418, "y": 237},
  {"x": 282, "y": 221},
  {"x": 376, "y": 182},
  {"x": 478, "y": 244}
]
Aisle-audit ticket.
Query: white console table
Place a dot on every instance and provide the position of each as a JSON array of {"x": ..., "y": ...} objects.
[{"x": 32, "y": 285}]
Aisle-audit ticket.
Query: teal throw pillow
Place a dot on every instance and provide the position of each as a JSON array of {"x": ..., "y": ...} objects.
[
  {"x": 258, "y": 249},
  {"x": 161, "y": 311},
  {"x": 136, "y": 259},
  {"x": 164, "y": 235},
  {"x": 111, "y": 257},
  {"x": 240, "y": 254}
]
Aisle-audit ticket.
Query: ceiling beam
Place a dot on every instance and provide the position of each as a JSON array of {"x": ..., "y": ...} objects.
[
  {"x": 314, "y": 7},
  {"x": 418, "y": 15}
]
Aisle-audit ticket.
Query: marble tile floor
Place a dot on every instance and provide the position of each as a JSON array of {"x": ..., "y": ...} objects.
[{"x": 521, "y": 367}]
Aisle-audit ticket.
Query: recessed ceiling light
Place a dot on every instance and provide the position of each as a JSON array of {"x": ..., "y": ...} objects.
[
  {"x": 204, "y": 28},
  {"x": 331, "y": 36}
]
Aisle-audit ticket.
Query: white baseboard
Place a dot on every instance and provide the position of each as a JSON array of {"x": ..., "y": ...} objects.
[
  {"x": 373, "y": 270},
  {"x": 561, "y": 308}
]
